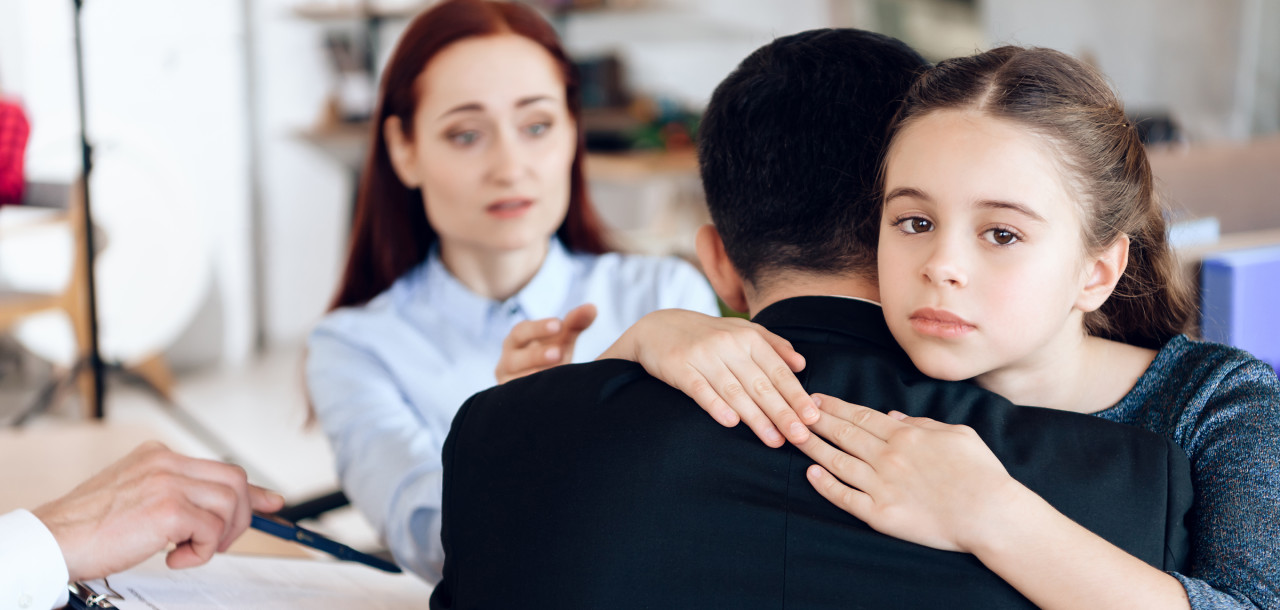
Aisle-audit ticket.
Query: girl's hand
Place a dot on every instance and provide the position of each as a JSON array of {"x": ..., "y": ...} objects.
[
  {"x": 536, "y": 345},
  {"x": 912, "y": 478},
  {"x": 734, "y": 369}
]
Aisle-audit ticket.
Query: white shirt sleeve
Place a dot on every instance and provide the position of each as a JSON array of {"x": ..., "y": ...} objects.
[{"x": 33, "y": 573}]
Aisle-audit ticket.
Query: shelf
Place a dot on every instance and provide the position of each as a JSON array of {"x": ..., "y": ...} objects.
[
  {"x": 328, "y": 11},
  {"x": 343, "y": 142}
]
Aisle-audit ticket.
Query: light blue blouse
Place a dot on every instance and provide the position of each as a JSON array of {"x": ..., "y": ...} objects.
[{"x": 387, "y": 378}]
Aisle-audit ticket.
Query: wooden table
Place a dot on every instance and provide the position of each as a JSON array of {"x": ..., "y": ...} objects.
[{"x": 41, "y": 463}]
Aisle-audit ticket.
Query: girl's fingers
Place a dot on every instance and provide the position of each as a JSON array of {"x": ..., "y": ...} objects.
[
  {"x": 852, "y": 501},
  {"x": 848, "y": 439},
  {"x": 784, "y": 350},
  {"x": 878, "y": 424},
  {"x": 695, "y": 385},
  {"x": 729, "y": 387},
  {"x": 846, "y": 467},
  {"x": 760, "y": 395}
]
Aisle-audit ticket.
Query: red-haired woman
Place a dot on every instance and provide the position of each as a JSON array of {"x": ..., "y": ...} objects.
[{"x": 473, "y": 221}]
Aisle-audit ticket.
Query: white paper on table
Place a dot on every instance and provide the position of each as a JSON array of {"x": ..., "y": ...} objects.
[{"x": 244, "y": 582}]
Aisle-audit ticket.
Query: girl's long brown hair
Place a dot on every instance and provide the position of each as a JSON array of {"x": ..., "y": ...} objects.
[{"x": 391, "y": 235}]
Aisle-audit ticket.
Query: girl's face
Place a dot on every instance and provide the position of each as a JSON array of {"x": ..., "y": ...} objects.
[
  {"x": 492, "y": 145},
  {"x": 982, "y": 266}
]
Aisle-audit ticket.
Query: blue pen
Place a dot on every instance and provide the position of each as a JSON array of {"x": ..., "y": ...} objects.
[{"x": 283, "y": 529}]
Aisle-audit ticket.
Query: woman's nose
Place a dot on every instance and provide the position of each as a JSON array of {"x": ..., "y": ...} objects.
[{"x": 506, "y": 161}]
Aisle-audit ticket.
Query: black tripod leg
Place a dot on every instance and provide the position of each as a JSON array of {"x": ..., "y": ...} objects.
[{"x": 45, "y": 398}]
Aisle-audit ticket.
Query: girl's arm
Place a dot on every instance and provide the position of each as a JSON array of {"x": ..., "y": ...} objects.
[
  {"x": 734, "y": 369},
  {"x": 939, "y": 485}
]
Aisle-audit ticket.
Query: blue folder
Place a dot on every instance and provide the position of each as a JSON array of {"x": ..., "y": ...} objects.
[{"x": 1240, "y": 301}]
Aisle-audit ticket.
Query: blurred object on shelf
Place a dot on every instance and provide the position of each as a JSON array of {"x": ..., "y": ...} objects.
[
  {"x": 616, "y": 120},
  {"x": 343, "y": 142},
  {"x": 668, "y": 125},
  {"x": 603, "y": 82},
  {"x": 353, "y": 88},
  {"x": 1156, "y": 127}
]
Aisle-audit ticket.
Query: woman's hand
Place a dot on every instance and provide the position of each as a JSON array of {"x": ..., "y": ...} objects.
[
  {"x": 912, "y": 478},
  {"x": 536, "y": 345},
  {"x": 734, "y": 369}
]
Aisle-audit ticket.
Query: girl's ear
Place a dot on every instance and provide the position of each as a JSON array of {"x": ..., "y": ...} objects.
[
  {"x": 404, "y": 156},
  {"x": 1103, "y": 274}
]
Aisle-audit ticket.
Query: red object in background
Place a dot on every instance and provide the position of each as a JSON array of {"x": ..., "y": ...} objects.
[{"x": 14, "y": 130}]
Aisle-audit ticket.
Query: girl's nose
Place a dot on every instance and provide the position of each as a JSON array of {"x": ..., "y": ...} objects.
[{"x": 945, "y": 266}]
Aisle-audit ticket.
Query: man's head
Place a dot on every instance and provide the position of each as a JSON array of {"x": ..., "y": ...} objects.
[{"x": 790, "y": 147}]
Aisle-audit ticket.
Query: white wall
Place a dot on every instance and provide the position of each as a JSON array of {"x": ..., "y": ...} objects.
[
  {"x": 1214, "y": 64},
  {"x": 681, "y": 49},
  {"x": 171, "y": 73},
  {"x": 306, "y": 196}
]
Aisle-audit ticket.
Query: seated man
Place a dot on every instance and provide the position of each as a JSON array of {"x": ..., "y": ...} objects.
[
  {"x": 150, "y": 500},
  {"x": 598, "y": 486}
]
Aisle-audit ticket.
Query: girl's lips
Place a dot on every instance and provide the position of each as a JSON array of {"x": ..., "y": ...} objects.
[
  {"x": 509, "y": 208},
  {"x": 938, "y": 323}
]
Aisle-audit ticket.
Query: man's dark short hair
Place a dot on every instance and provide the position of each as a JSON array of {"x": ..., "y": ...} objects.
[{"x": 790, "y": 147}]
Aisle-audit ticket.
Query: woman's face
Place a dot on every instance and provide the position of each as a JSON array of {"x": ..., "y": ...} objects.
[
  {"x": 492, "y": 145},
  {"x": 981, "y": 259}
]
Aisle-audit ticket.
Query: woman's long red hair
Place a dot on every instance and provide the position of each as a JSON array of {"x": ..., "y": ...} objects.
[{"x": 391, "y": 235}]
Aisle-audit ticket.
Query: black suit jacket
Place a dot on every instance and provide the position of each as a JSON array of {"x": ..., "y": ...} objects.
[{"x": 598, "y": 486}]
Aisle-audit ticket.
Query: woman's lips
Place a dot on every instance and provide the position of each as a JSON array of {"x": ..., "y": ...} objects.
[
  {"x": 509, "y": 208},
  {"x": 938, "y": 323}
]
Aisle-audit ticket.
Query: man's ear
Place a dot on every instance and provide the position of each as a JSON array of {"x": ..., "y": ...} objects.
[
  {"x": 720, "y": 271},
  {"x": 404, "y": 156},
  {"x": 1104, "y": 272}
]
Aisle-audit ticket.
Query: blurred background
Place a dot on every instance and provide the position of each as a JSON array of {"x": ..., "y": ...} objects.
[{"x": 228, "y": 138}]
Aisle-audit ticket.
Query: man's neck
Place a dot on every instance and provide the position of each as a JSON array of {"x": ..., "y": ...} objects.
[{"x": 798, "y": 285}]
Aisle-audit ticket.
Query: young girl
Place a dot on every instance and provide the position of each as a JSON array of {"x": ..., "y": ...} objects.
[
  {"x": 473, "y": 219},
  {"x": 1023, "y": 247}
]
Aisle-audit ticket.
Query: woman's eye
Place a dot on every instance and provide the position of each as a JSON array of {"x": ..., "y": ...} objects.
[
  {"x": 464, "y": 138},
  {"x": 1002, "y": 237},
  {"x": 915, "y": 224},
  {"x": 537, "y": 129}
]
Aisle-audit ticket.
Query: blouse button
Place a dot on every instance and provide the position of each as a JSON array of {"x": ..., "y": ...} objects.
[{"x": 24, "y": 601}]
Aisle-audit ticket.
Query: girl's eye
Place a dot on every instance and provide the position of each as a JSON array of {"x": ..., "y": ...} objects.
[
  {"x": 464, "y": 138},
  {"x": 1002, "y": 237},
  {"x": 537, "y": 129},
  {"x": 914, "y": 224}
]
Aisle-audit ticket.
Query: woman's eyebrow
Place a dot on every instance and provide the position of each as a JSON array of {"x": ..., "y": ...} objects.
[
  {"x": 467, "y": 107},
  {"x": 477, "y": 106},
  {"x": 525, "y": 101}
]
